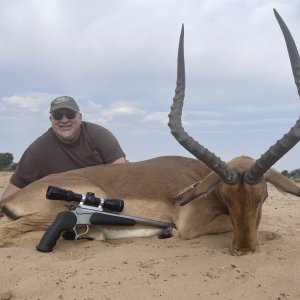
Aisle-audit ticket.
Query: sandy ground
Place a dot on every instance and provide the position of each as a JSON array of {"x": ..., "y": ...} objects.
[{"x": 167, "y": 269}]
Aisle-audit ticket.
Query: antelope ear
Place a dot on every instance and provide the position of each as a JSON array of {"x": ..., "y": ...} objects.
[
  {"x": 203, "y": 187},
  {"x": 281, "y": 182}
]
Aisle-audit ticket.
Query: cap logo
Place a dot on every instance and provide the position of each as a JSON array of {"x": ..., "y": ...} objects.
[{"x": 64, "y": 102}]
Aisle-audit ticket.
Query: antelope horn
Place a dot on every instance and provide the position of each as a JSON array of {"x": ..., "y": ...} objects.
[
  {"x": 289, "y": 140},
  {"x": 210, "y": 159}
]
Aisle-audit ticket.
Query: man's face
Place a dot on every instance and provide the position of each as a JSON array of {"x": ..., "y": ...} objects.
[{"x": 66, "y": 124}]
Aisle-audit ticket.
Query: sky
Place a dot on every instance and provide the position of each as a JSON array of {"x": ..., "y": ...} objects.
[{"x": 118, "y": 60}]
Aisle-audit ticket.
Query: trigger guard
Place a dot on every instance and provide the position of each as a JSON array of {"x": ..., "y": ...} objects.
[{"x": 78, "y": 235}]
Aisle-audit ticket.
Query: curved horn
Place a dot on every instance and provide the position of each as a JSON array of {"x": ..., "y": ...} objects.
[
  {"x": 289, "y": 140},
  {"x": 210, "y": 159}
]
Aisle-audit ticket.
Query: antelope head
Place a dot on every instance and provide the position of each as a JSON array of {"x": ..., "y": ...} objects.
[{"x": 241, "y": 183}]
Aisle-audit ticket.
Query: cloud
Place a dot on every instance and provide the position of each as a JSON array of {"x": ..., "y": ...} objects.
[
  {"x": 158, "y": 117},
  {"x": 29, "y": 101},
  {"x": 118, "y": 60},
  {"x": 116, "y": 111},
  {"x": 261, "y": 109},
  {"x": 120, "y": 108},
  {"x": 265, "y": 122}
]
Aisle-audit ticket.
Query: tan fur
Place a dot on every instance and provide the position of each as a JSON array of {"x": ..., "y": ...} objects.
[{"x": 148, "y": 189}]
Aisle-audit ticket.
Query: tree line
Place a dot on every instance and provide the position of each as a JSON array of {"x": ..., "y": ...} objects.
[
  {"x": 294, "y": 175},
  {"x": 7, "y": 162}
]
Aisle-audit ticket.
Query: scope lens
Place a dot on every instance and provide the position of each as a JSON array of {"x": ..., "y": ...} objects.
[{"x": 56, "y": 193}]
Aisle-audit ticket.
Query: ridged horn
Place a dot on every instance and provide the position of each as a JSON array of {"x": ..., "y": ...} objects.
[
  {"x": 210, "y": 159},
  {"x": 289, "y": 140}
]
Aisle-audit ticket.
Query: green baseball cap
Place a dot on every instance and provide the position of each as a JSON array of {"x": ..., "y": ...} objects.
[{"x": 64, "y": 102}]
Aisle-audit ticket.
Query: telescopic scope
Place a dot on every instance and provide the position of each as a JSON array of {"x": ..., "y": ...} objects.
[{"x": 56, "y": 193}]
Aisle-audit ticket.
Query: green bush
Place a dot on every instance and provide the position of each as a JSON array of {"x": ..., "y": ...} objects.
[
  {"x": 294, "y": 175},
  {"x": 6, "y": 160}
]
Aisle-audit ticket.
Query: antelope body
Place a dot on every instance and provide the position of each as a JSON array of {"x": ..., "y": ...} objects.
[{"x": 222, "y": 196}]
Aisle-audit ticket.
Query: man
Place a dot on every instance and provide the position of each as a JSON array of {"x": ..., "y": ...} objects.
[{"x": 69, "y": 144}]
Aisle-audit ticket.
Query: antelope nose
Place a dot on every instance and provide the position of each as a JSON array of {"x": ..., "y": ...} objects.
[
  {"x": 244, "y": 251},
  {"x": 240, "y": 253}
]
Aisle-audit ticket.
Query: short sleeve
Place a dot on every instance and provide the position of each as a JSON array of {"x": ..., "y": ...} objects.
[{"x": 107, "y": 145}]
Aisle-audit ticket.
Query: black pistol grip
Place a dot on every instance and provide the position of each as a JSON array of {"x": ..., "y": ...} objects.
[
  {"x": 109, "y": 219},
  {"x": 64, "y": 221}
]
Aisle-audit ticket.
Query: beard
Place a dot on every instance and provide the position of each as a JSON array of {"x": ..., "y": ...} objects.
[{"x": 66, "y": 133}]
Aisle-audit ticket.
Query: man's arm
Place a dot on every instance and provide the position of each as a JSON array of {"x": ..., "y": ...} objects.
[
  {"x": 9, "y": 190},
  {"x": 119, "y": 161}
]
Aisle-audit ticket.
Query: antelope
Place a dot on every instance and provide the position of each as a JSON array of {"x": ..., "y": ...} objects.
[{"x": 201, "y": 196}]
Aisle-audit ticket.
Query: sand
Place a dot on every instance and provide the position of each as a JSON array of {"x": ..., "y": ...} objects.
[{"x": 150, "y": 268}]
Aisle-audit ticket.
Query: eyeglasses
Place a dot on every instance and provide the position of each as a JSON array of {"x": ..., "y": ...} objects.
[{"x": 59, "y": 115}]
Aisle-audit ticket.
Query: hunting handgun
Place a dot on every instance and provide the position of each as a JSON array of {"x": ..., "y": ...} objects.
[{"x": 90, "y": 211}]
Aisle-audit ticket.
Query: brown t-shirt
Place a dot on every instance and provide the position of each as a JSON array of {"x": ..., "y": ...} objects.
[{"x": 48, "y": 155}]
